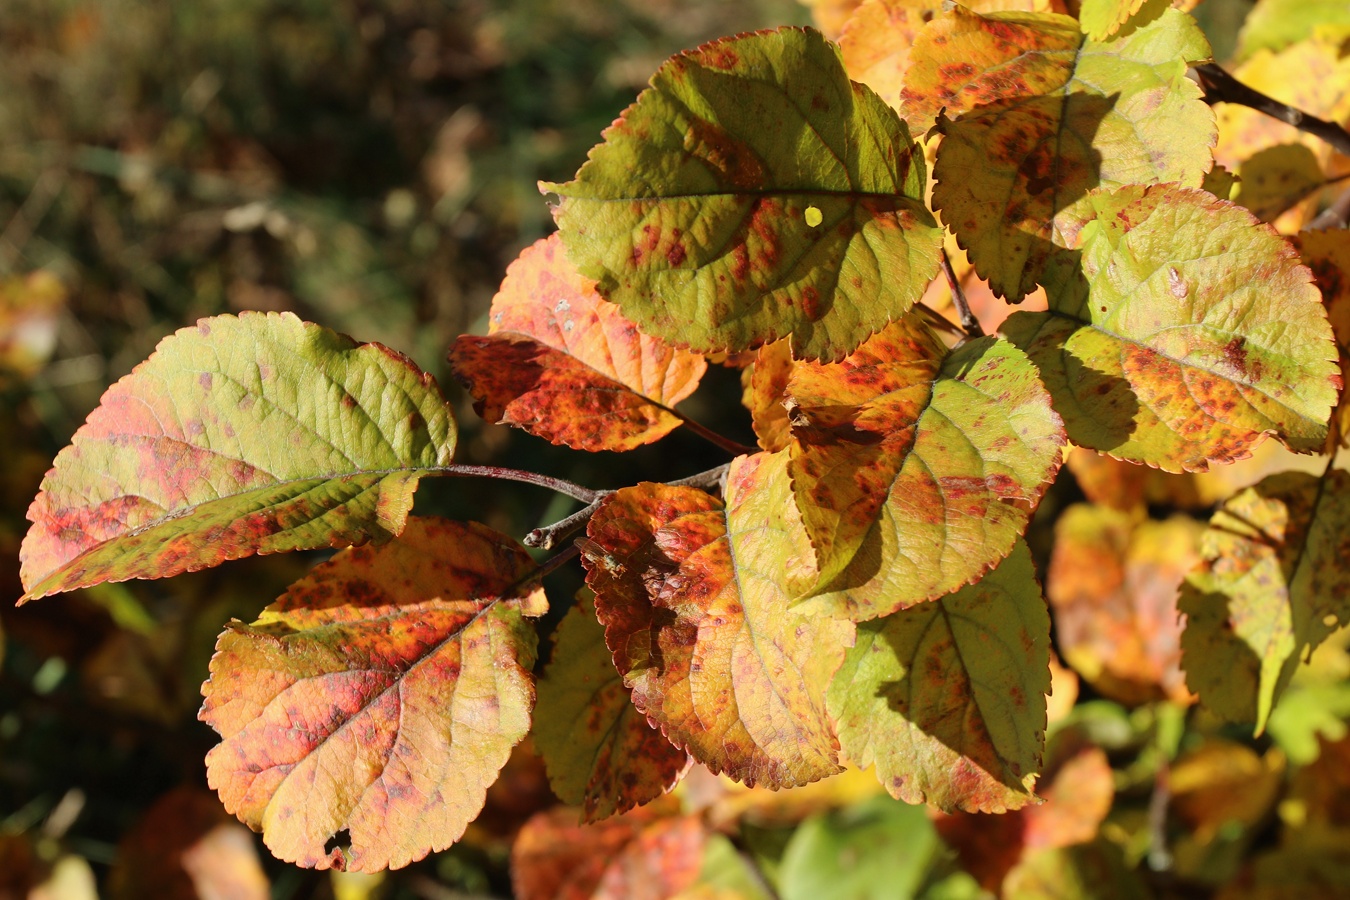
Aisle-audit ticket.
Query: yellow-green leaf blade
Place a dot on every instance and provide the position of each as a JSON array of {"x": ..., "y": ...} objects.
[
  {"x": 696, "y": 603},
  {"x": 692, "y": 215},
  {"x": 1042, "y": 116},
  {"x": 1181, "y": 332},
  {"x": 600, "y": 752},
  {"x": 380, "y": 695},
  {"x": 916, "y": 470},
  {"x": 1272, "y": 586},
  {"x": 241, "y": 435},
  {"x": 947, "y": 698}
]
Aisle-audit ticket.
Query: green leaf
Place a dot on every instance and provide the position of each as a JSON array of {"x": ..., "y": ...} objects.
[
  {"x": 692, "y": 215},
  {"x": 877, "y": 850},
  {"x": 1100, "y": 19},
  {"x": 1275, "y": 24},
  {"x": 1272, "y": 586},
  {"x": 1273, "y": 180},
  {"x": 381, "y": 695},
  {"x": 254, "y": 434},
  {"x": 915, "y": 470},
  {"x": 1039, "y": 116},
  {"x": 696, "y": 602},
  {"x": 948, "y": 698},
  {"x": 1180, "y": 333},
  {"x": 600, "y": 752}
]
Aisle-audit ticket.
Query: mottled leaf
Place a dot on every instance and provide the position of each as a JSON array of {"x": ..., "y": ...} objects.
[
  {"x": 1113, "y": 584},
  {"x": 915, "y": 470},
  {"x": 187, "y": 848},
  {"x": 1327, "y": 254},
  {"x": 1039, "y": 116},
  {"x": 1181, "y": 332},
  {"x": 696, "y": 599},
  {"x": 764, "y": 385},
  {"x": 1272, "y": 586},
  {"x": 643, "y": 855},
  {"x": 601, "y": 753},
  {"x": 563, "y": 364},
  {"x": 254, "y": 434},
  {"x": 947, "y": 698},
  {"x": 692, "y": 213},
  {"x": 379, "y": 696}
]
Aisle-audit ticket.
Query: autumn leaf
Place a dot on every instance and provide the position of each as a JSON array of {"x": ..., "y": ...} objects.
[
  {"x": 1327, "y": 254},
  {"x": 1101, "y": 19},
  {"x": 1095, "y": 869},
  {"x": 876, "y": 39},
  {"x": 915, "y": 470},
  {"x": 241, "y": 435},
  {"x": 696, "y": 601},
  {"x": 1177, "y": 331},
  {"x": 764, "y": 385},
  {"x": 1271, "y": 587},
  {"x": 564, "y": 365},
  {"x": 947, "y": 698},
  {"x": 379, "y": 696},
  {"x": 1276, "y": 180},
  {"x": 695, "y": 214},
  {"x": 1113, "y": 583},
  {"x": 1078, "y": 789},
  {"x": 647, "y": 854},
  {"x": 1037, "y": 115},
  {"x": 1275, "y": 24},
  {"x": 601, "y": 753}
]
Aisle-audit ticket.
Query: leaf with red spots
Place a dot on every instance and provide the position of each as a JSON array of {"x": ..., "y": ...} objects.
[
  {"x": 1272, "y": 586},
  {"x": 1327, "y": 253},
  {"x": 1113, "y": 583},
  {"x": 914, "y": 469},
  {"x": 752, "y": 193},
  {"x": 380, "y": 696},
  {"x": 947, "y": 698},
  {"x": 1181, "y": 332},
  {"x": 601, "y": 753},
  {"x": 647, "y": 854},
  {"x": 1037, "y": 115},
  {"x": 564, "y": 365},
  {"x": 251, "y": 434},
  {"x": 764, "y": 388},
  {"x": 696, "y": 599}
]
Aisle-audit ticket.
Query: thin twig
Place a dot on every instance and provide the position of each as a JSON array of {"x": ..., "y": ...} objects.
[
  {"x": 968, "y": 320},
  {"x": 550, "y": 536},
  {"x": 1337, "y": 215},
  {"x": 733, "y": 447},
  {"x": 1220, "y": 87},
  {"x": 561, "y": 485}
]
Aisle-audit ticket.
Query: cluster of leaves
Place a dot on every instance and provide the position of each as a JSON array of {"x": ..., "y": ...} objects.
[{"x": 858, "y": 589}]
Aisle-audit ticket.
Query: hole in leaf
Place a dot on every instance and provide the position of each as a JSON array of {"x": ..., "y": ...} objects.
[{"x": 341, "y": 841}]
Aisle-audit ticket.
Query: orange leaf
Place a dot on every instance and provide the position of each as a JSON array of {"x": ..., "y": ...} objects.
[
  {"x": 380, "y": 695},
  {"x": 646, "y": 854},
  {"x": 564, "y": 365},
  {"x": 764, "y": 383},
  {"x": 696, "y": 603}
]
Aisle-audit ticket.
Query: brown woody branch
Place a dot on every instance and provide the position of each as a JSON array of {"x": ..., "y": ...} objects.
[
  {"x": 969, "y": 323},
  {"x": 1221, "y": 87}
]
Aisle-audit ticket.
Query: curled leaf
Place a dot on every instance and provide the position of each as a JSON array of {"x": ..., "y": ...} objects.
[
  {"x": 379, "y": 696},
  {"x": 696, "y": 602},
  {"x": 251, "y": 434},
  {"x": 563, "y": 364}
]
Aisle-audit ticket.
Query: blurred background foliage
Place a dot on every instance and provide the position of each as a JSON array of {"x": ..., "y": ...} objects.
[{"x": 371, "y": 165}]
